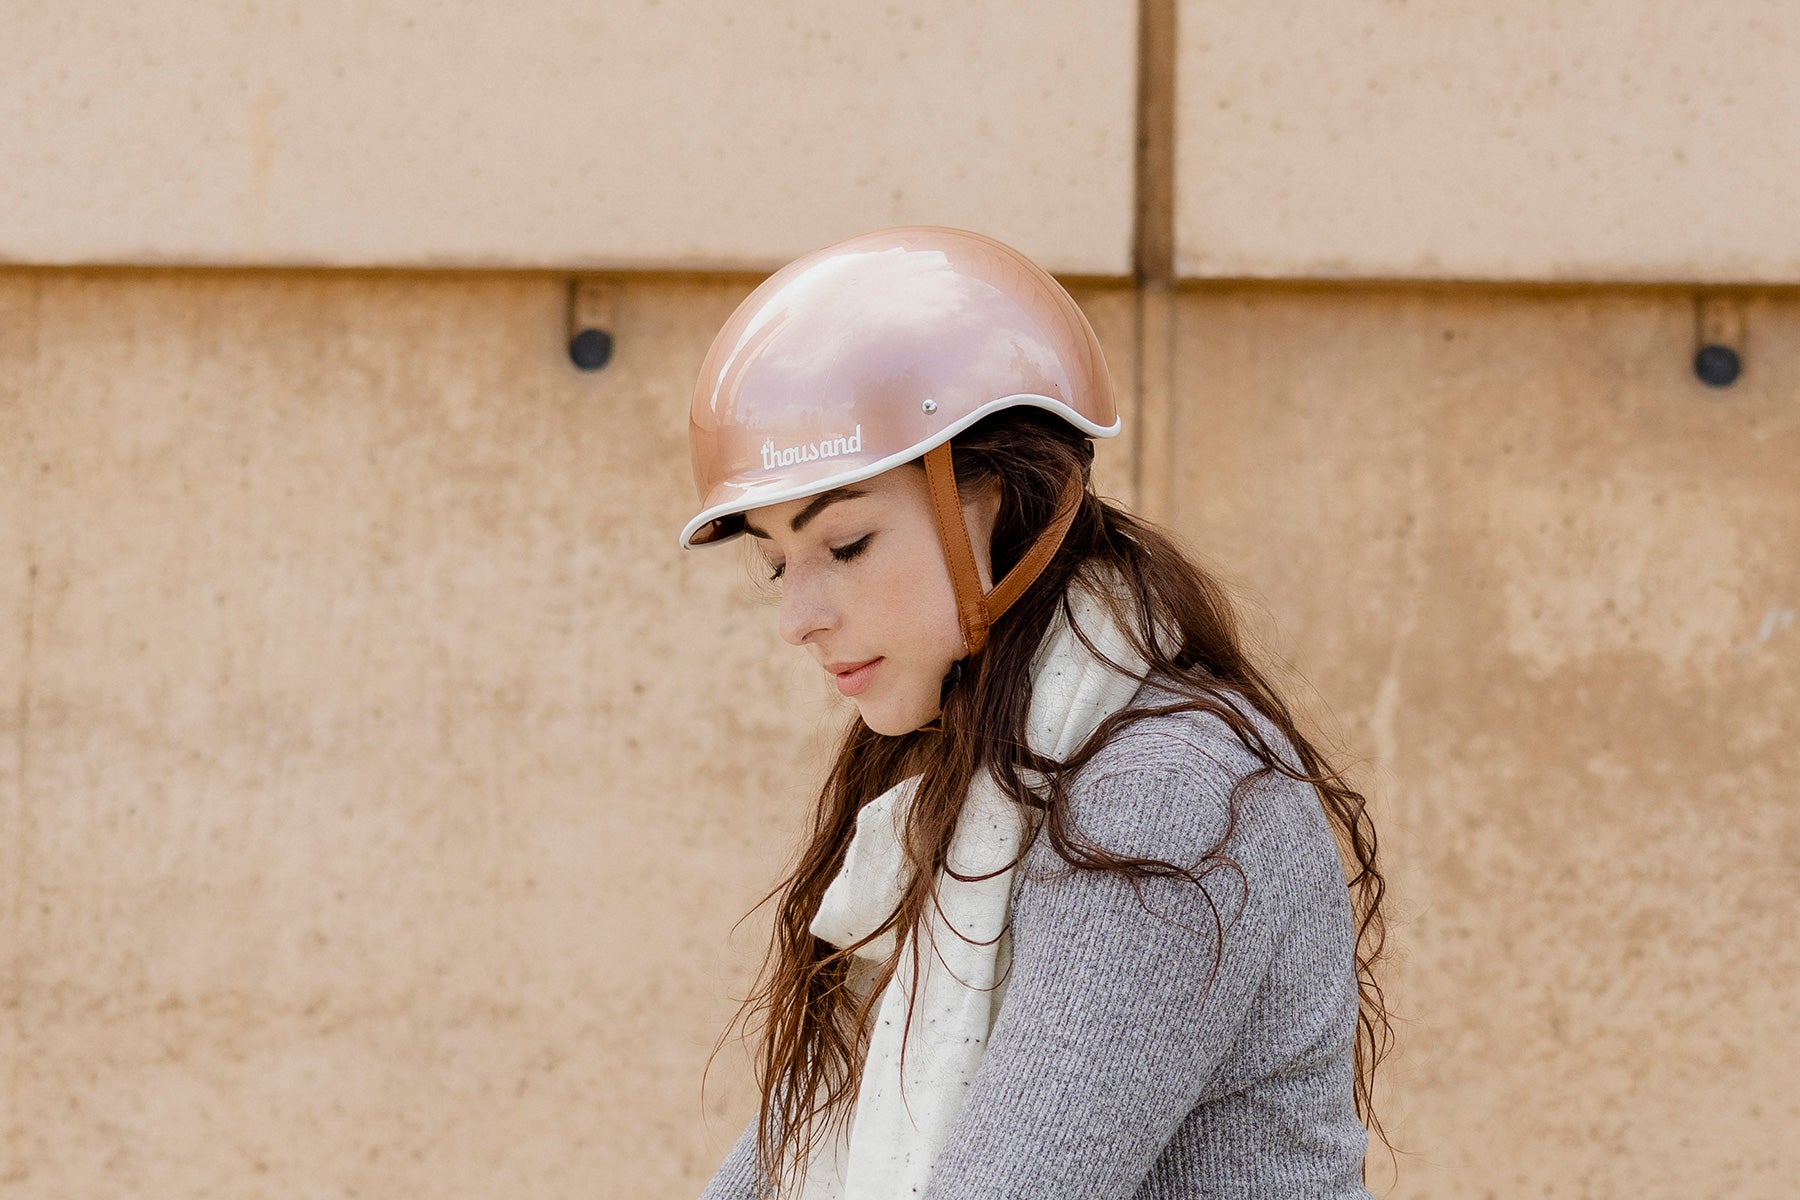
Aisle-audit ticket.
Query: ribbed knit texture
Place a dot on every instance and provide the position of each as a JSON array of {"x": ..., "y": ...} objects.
[{"x": 1121, "y": 1065}]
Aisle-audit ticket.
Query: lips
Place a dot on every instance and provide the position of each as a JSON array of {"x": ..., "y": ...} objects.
[{"x": 853, "y": 677}]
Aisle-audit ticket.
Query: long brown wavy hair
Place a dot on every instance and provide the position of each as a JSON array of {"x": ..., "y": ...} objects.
[{"x": 805, "y": 1015}]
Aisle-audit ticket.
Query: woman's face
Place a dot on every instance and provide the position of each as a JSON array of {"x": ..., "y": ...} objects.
[{"x": 866, "y": 592}]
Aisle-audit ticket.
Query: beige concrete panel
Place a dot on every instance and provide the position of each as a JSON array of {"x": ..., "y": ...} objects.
[
  {"x": 695, "y": 136},
  {"x": 1619, "y": 140},
  {"x": 395, "y": 782},
  {"x": 1547, "y": 582}
]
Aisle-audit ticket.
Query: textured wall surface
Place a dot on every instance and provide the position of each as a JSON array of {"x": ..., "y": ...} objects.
[
  {"x": 379, "y": 786},
  {"x": 547, "y": 132},
  {"x": 1530, "y": 139},
  {"x": 1620, "y": 140},
  {"x": 1548, "y": 583},
  {"x": 378, "y": 782}
]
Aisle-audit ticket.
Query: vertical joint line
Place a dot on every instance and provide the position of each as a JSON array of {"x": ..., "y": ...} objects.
[
  {"x": 15, "y": 896},
  {"x": 12, "y": 1166},
  {"x": 1153, "y": 256},
  {"x": 1153, "y": 249}
]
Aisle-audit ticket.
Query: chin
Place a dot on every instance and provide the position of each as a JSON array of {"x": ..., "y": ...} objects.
[{"x": 893, "y": 720}]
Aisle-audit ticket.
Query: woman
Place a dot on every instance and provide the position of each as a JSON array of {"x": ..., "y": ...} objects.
[{"x": 1072, "y": 917}]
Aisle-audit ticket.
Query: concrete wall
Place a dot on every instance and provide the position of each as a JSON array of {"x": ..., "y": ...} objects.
[
  {"x": 379, "y": 782},
  {"x": 381, "y": 785},
  {"x": 1635, "y": 140},
  {"x": 547, "y": 132},
  {"x": 378, "y": 786},
  {"x": 1623, "y": 140},
  {"x": 1547, "y": 582}
]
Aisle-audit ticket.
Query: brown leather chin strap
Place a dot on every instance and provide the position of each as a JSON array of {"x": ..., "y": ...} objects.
[{"x": 977, "y": 610}]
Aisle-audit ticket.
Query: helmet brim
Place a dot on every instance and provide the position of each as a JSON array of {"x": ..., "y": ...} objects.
[{"x": 732, "y": 498}]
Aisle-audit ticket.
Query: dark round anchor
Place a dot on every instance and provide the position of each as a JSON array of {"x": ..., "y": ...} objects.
[
  {"x": 1717, "y": 366},
  {"x": 591, "y": 349}
]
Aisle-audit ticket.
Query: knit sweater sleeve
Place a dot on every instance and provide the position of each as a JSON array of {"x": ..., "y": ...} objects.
[
  {"x": 1115, "y": 1018},
  {"x": 736, "y": 1178}
]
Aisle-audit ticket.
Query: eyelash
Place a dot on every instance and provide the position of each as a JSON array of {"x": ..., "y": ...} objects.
[{"x": 841, "y": 554}]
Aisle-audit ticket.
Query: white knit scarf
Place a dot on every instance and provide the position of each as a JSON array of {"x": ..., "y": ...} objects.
[{"x": 901, "y": 1120}]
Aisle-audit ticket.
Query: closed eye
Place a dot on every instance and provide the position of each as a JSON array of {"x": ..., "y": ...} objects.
[
  {"x": 840, "y": 553},
  {"x": 846, "y": 553}
]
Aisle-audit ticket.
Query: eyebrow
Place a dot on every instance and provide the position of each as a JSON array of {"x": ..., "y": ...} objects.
[{"x": 819, "y": 504}]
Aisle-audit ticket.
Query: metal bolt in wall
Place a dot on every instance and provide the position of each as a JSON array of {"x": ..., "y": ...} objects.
[
  {"x": 1719, "y": 339},
  {"x": 593, "y": 314}
]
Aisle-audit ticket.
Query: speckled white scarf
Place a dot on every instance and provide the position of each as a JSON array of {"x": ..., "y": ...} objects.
[{"x": 893, "y": 1139}]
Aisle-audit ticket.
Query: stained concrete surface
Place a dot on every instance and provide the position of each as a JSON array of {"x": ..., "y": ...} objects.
[
  {"x": 380, "y": 783},
  {"x": 1623, "y": 140},
  {"x": 556, "y": 133},
  {"x": 1620, "y": 140},
  {"x": 1544, "y": 583}
]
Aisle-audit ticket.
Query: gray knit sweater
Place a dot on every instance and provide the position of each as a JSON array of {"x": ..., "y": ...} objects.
[{"x": 1120, "y": 1066}]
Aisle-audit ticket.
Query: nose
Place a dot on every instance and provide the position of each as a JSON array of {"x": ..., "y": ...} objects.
[{"x": 805, "y": 612}]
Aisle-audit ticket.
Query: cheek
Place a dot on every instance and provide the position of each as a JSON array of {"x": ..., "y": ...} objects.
[
  {"x": 919, "y": 635},
  {"x": 912, "y": 607},
  {"x": 927, "y": 633}
]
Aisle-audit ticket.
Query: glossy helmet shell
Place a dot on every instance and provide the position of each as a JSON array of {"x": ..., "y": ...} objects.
[{"x": 866, "y": 354}]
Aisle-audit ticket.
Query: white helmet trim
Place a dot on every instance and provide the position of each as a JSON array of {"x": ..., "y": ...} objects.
[{"x": 858, "y": 474}]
